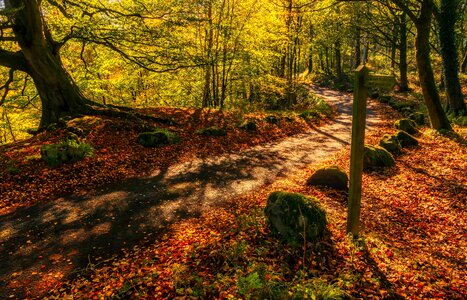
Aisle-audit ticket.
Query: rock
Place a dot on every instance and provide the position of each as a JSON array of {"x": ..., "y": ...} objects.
[
  {"x": 385, "y": 99},
  {"x": 377, "y": 157},
  {"x": 406, "y": 139},
  {"x": 157, "y": 138},
  {"x": 391, "y": 143},
  {"x": 406, "y": 125},
  {"x": 418, "y": 117},
  {"x": 308, "y": 114},
  {"x": 295, "y": 216},
  {"x": 212, "y": 131},
  {"x": 68, "y": 150},
  {"x": 76, "y": 130},
  {"x": 272, "y": 119},
  {"x": 333, "y": 177},
  {"x": 248, "y": 125}
]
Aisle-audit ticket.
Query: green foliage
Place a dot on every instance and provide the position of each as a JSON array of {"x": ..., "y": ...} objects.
[
  {"x": 212, "y": 131},
  {"x": 158, "y": 137},
  {"x": 255, "y": 285},
  {"x": 66, "y": 151},
  {"x": 295, "y": 217},
  {"x": 317, "y": 289}
]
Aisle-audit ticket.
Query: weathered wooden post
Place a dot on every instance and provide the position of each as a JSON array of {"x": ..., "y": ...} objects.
[
  {"x": 362, "y": 81},
  {"x": 358, "y": 146}
]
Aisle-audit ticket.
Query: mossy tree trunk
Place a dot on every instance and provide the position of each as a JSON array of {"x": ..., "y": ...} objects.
[
  {"x": 447, "y": 20},
  {"x": 39, "y": 57}
]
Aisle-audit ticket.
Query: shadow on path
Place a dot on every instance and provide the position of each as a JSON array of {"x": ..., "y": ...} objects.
[{"x": 65, "y": 234}]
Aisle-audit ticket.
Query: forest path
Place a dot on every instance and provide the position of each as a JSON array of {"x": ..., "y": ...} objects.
[{"x": 62, "y": 236}]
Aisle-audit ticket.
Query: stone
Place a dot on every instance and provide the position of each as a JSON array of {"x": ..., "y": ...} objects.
[
  {"x": 405, "y": 139},
  {"x": 157, "y": 138},
  {"x": 249, "y": 125},
  {"x": 332, "y": 177},
  {"x": 406, "y": 125},
  {"x": 272, "y": 119},
  {"x": 391, "y": 143},
  {"x": 418, "y": 117},
  {"x": 377, "y": 157},
  {"x": 297, "y": 219},
  {"x": 212, "y": 131}
]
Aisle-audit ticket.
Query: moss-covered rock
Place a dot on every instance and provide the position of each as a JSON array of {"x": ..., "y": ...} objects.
[
  {"x": 212, "y": 131},
  {"x": 272, "y": 119},
  {"x": 309, "y": 114},
  {"x": 295, "y": 217},
  {"x": 332, "y": 176},
  {"x": 377, "y": 157},
  {"x": 156, "y": 138},
  {"x": 391, "y": 143},
  {"x": 418, "y": 117},
  {"x": 384, "y": 98},
  {"x": 405, "y": 139},
  {"x": 406, "y": 125},
  {"x": 66, "y": 151},
  {"x": 249, "y": 125}
]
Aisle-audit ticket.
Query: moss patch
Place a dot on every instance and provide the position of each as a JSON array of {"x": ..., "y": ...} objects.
[
  {"x": 406, "y": 125},
  {"x": 249, "y": 125},
  {"x": 377, "y": 157},
  {"x": 391, "y": 143},
  {"x": 66, "y": 151},
  {"x": 212, "y": 131},
  {"x": 405, "y": 139},
  {"x": 160, "y": 137},
  {"x": 332, "y": 176},
  {"x": 295, "y": 217}
]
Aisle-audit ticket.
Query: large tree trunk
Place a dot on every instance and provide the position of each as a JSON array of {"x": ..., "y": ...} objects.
[
  {"x": 447, "y": 20},
  {"x": 404, "y": 81},
  {"x": 59, "y": 94},
  {"x": 425, "y": 71}
]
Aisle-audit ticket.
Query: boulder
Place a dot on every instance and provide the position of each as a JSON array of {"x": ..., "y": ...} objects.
[
  {"x": 272, "y": 119},
  {"x": 391, "y": 143},
  {"x": 406, "y": 139},
  {"x": 157, "y": 138},
  {"x": 406, "y": 125},
  {"x": 295, "y": 217},
  {"x": 212, "y": 131},
  {"x": 249, "y": 125},
  {"x": 333, "y": 177},
  {"x": 66, "y": 151},
  {"x": 377, "y": 157},
  {"x": 418, "y": 117}
]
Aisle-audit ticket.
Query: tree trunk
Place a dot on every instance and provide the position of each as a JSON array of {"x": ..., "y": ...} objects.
[
  {"x": 404, "y": 81},
  {"x": 59, "y": 94},
  {"x": 425, "y": 71},
  {"x": 358, "y": 46},
  {"x": 338, "y": 61},
  {"x": 447, "y": 20}
]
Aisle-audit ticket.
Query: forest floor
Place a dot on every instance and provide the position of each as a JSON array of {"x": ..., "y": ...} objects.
[{"x": 194, "y": 227}]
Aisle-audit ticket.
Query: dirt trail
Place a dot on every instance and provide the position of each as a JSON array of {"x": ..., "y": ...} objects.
[{"x": 66, "y": 234}]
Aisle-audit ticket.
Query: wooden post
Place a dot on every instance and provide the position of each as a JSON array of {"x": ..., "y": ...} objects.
[{"x": 358, "y": 146}]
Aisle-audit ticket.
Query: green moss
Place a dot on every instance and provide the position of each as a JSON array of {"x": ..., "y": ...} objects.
[
  {"x": 391, "y": 143},
  {"x": 406, "y": 125},
  {"x": 212, "y": 131},
  {"x": 159, "y": 137},
  {"x": 308, "y": 114},
  {"x": 68, "y": 150},
  {"x": 333, "y": 177},
  {"x": 385, "y": 99},
  {"x": 405, "y": 139},
  {"x": 377, "y": 157},
  {"x": 295, "y": 217}
]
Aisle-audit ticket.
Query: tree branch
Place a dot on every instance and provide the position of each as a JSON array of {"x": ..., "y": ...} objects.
[{"x": 13, "y": 60}]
